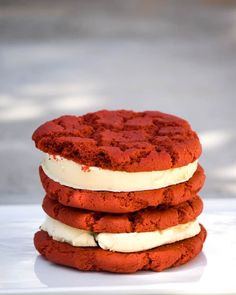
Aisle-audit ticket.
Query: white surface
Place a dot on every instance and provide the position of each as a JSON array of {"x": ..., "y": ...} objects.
[
  {"x": 24, "y": 272},
  {"x": 72, "y": 174}
]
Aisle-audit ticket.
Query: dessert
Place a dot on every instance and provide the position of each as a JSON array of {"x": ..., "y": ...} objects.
[{"x": 121, "y": 191}]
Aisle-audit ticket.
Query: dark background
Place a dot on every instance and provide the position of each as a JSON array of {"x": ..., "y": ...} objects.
[{"x": 72, "y": 57}]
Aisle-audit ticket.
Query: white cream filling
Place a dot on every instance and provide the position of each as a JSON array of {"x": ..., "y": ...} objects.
[
  {"x": 65, "y": 233},
  {"x": 119, "y": 242},
  {"x": 72, "y": 174}
]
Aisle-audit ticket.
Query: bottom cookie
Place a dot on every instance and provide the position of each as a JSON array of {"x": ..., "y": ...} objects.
[{"x": 97, "y": 259}]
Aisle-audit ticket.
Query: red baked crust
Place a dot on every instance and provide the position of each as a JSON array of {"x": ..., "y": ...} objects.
[
  {"x": 149, "y": 219},
  {"x": 122, "y": 202},
  {"x": 97, "y": 259},
  {"x": 121, "y": 140}
]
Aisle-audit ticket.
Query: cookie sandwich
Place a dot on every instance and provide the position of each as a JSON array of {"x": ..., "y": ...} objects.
[{"x": 121, "y": 191}]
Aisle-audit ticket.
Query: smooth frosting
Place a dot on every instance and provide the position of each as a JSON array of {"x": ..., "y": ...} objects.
[
  {"x": 72, "y": 174},
  {"x": 119, "y": 242}
]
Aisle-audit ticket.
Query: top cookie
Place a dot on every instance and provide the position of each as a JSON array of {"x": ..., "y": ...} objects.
[{"x": 121, "y": 140}]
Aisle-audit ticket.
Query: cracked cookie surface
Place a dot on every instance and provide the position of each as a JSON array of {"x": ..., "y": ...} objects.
[
  {"x": 122, "y": 202},
  {"x": 150, "y": 219},
  {"x": 97, "y": 259},
  {"x": 121, "y": 140}
]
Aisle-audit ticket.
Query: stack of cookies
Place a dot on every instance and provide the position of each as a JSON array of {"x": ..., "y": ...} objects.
[{"x": 121, "y": 191}]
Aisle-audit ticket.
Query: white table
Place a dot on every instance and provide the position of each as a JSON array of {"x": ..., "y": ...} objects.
[{"x": 22, "y": 271}]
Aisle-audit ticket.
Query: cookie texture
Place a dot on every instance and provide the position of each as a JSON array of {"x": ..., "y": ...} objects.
[
  {"x": 122, "y": 202},
  {"x": 121, "y": 140},
  {"x": 149, "y": 219},
  {"x": 97, "y": 259}
]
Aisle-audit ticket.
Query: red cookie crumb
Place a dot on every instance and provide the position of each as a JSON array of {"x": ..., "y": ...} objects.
[
  {"x": 122, "y": 202},
  {"x": 97, "y": 259},
  {"x": 121, "y": 140},
  {"x": 149, "y": 219}
]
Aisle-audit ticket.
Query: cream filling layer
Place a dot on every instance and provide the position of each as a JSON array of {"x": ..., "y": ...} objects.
[
  {"x": 119, "y": 242},
  {"x": 72, "y": 174}
]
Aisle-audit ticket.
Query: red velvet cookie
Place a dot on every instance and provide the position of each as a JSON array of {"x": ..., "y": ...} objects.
[
  {"x": 149, "y": 219},
  {"x": 121, "y": 140},
  {"x": 122, "y": 202},
  {"x": 97, "y": 259}
]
